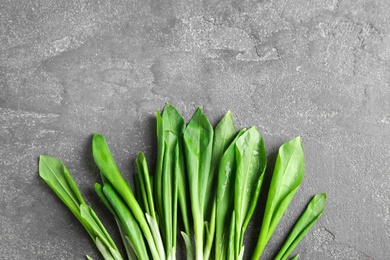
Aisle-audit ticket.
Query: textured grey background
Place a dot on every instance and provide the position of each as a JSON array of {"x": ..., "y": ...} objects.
[{"x": 318, "y": 69}]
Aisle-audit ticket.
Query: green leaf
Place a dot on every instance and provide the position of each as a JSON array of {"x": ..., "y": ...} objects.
[
  {"x": 97, "y": 227},
  {"x": 159, "y": 166},
  {"x": 295, "y": 257},
  {"x": 128, "y": 246},
  {"x": 108, "y": 168},
  {"x": 126, "y": 242},
  {"x": 169, "y": 187},
  {"x": 52, "y": 171},
  {"x": 312, "y": 213},
  {"x": 225, "y": 198},
  {"x": 286, "y": 179},
  {"x": 187, "y": 242},
  {"x": 55, "y": 174},
  {"x": 198, "y": 140},
  {"x": 231, "y": 255},
  {"x": 224, "y": 133},
  {"x": 170, "y": 179},
  {"x": 103, "y": 250},
  {"x": 210, "y": 232},
  {"x": 127, "y": 221},
  {"x": 100, "y": 193},
  {"x": 251, "y": 162},
  {"x": 145, "y": 183},
  {"x": 156, "y": 235}
]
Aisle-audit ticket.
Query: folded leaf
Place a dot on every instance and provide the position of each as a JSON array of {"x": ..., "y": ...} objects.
[
  {"x": 312, "y": 213},
  {"x": 198, "y": 140},
  {"x": 52, "y": 171},
  {"x": 251, "y": 162},
  {"x": 127, "y": 221},
  {"x": 225, "y": 198},
  {"x": 57, "y": 176},
  {"x": 286, "y": 179},
  {"x": 145, "y": 183},
  {"x": 187, "y": 242},
  {"x": 170, "y": 183},
  {"x": 224, "y": 133},
  {"x": 105, "y": 162}
]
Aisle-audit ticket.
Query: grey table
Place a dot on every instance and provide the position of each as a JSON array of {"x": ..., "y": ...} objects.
[{"x": 318, "y": 69}]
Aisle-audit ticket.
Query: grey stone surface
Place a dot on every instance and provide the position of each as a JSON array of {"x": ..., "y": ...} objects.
[{"x": 319, "y": 69}]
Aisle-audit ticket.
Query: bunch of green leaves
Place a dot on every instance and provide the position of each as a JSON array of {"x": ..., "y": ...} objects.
[{"x": 209, "y": 177}]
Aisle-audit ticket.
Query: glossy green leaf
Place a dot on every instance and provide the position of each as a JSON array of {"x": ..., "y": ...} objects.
[
  {"x": 286, "y": 179},
  {"x": 52, "y": 171},
  {"x": 103, "y": 250},
  {"x": 145, "y": 183},
  {"x": 170, "y": 179},
  {"x": 159, "y": 166},
  {"x": 127, "y": 220},
  {"x": 169, "y": 187},
  {"x": 105, "y": 162},
  {"x": 225, "y": 198},
  {"x": 127, "y": 243},
  {"x": 198, "y": 141},
  {"x": 251, "y": 162},
  {"x": 312, "y": 213},
  {"x": 231, "y": 255},
  {"x": 156, "y": 236},
  {"x": 99, "y": 232},
  {"x": 57, "y": 176},
  {"x": 224, "y": 133}
]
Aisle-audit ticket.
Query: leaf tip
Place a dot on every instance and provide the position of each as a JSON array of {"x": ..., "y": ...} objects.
[{"x": 298, "y": 138}]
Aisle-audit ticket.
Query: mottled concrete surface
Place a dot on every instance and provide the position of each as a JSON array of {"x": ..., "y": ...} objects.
[{"x": 319, "y": 69}]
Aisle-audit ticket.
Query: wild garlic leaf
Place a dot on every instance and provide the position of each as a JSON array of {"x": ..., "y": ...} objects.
[
  {"x": 128, "y": 246},
  {"x": 169, "y": 195},
  {"x": 96, "y": 226},
  {"x": 286, "y": 179},
  {"x": 224, "y": 133},
  {"x": 145, "y": 183},
  {"x": 156, "y": 236},
  {"x": 187, "y": 242},
  {"x": 312, "y": 213},
  {"x": 127, "y": 220},
  {"x": 170, "y": 179},
  {"x": 231, "y": 254},
  {"x": 159, "y": 165},
  {"x": 251, "y": 162},
  {"x": 198, "y": 141},
  {"x": 108, "y": 168},
  {"x": 225, "y": 198},
  {"x": 52, "y": 171},
  {"x": 57, "y": 176},
  {"x": 103, "y": 250},
  {"x": 105, "y": 162}
]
